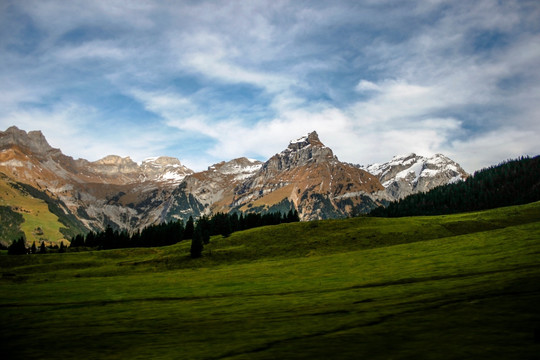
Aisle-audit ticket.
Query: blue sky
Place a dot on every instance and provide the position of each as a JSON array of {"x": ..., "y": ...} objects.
[{"x": 206, "y": 81}]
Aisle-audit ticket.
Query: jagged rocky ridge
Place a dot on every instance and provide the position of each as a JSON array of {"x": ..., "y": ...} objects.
[
  {"x": 409, "y": 174},
  {"x": 306, "y": 175}
]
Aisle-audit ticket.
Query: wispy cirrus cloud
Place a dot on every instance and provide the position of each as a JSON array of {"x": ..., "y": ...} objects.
[{"x": 207, "y": 81}]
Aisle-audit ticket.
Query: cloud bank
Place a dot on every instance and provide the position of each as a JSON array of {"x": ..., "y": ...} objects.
[{"x": 209, "y": 81}]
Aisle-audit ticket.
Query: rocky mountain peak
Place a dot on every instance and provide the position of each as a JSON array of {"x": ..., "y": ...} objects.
[
  {"x": 164, "y": 169},
  {"x": 239, "y": 163},
  {"x": 112, "y": 165},
  {"x": 239, "y": 169},
  {"x": 307, "y": 149},
  {"x": 115, "y": 160},
  {"x": 310, "y": 139},
  {"x": 412, "y": 173},
  {"x": 34, "y": 140},
  {"x": 164, "y": 160}
]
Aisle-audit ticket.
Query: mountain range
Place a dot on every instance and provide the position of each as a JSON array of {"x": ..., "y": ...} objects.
[{"x": 82, "y": 195}]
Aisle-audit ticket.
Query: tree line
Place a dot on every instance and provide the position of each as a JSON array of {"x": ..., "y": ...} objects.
[
  {"x": 513, "y": 182},
  {"x": 18, "y": 247},
  {"x": 168, "y": 233}
]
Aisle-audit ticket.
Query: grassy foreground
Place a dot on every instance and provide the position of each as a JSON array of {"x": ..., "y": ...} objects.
[{"x": 450, "y": 287}]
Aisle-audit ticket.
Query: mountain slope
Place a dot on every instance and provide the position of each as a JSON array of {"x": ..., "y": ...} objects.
[
  {"x": 410, "y": 174},
  {"x": 511, "y": 183},
  {"x": 310, "y": 177},
  {"x": 33, "y": 213},
  {"x": 111, "y": 191},
  {"x": 120, "y": 193}
]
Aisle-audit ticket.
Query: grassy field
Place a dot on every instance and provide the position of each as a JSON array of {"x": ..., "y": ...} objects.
[{"x": 445, "y": 287}]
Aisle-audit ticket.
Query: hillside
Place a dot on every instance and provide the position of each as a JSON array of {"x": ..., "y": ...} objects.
[
  {"x": 33, "y": 213},
  {"x": 309, "y": 176},
  {"x": 510, "y": 183},
  {"x": 119, "y": 192},
  {"x": 445, "y": 287},
  {"x": 410, "y": 174}
]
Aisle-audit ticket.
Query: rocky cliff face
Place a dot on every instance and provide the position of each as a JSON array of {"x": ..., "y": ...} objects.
[
  {"x": 111, "y": 191},
  {"x": 409, "y": 174},
  {"x": 33, "y": 141},
  {"x": 308, "y": 176},
  {"x": 214, "y": 187},
  {"x": 164, "y": 169}
]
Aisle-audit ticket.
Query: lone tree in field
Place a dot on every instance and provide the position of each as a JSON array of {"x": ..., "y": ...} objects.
[
  {"x": 188, "y": 231},
  {"x": 196, "y": 243}
]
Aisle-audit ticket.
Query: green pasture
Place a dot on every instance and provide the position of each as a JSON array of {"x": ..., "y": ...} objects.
[
  {"x": 36, "y": 216},
  {"x": 448, "y": 287}
]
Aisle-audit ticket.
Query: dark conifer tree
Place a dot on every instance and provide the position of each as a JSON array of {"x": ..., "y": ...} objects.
[
  {"x": 33, "y": 249},
  {"x": 196, "y": 243},
  {"x": 90, "y": 239},
  {"x": 76, "y": 241},
  {"x": 188, "y": 231},
  {"x": 18, "y": 247},
  {"x": 42, "y": 248},
  {"x": 221, "y": 224},
  {"x": 235, "y": 222},
  {"x": 204, "y": 227}
]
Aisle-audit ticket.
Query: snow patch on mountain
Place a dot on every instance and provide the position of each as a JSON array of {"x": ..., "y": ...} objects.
[{"x": 411, "y": 173}]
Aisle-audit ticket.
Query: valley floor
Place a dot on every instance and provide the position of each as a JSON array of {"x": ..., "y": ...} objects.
[{"x": 448, "y": 287}]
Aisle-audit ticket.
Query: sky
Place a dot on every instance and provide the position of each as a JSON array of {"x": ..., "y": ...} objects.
[{"x": 207, "y": 81}]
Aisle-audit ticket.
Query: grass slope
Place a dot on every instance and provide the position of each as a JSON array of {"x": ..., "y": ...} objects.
[
  {"x": 460, "y": 286},
  {"x": 35, "y": 213}
]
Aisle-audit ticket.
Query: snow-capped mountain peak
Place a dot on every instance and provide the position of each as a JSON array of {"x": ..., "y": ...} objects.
[
  {"x": 411, "y": 173},
  {"x": 164, "y": 169}
]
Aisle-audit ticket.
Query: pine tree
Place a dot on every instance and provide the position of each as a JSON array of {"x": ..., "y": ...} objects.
[
  {"x": 204, "y": 227},
  {"x": 62, "y": 248},
  {"x": 188, "y": 231},
  {"x": 33, "y": 250},
  {"x": 42, "y": 248},
  {"x": 196, "y": 243},
  {"x": 90, "y": 240},
  {"x": 18, "y": 247},
  {"x": 221, "y": 224},
  {"x": 78, "y": 240}
]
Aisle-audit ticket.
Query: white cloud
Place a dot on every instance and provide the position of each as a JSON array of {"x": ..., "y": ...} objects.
[
  {"x": 365, "y": 85},
  {"x": 443, "y": 77},
  {"x": 107, "y": 50},
  {"x": 494, "y": 147},
  {"x": 60, "y": 125}
]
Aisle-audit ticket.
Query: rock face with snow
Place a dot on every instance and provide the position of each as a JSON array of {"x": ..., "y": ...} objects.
[
  {"x": 214, "y": 187},
  {"x": 164, "y": 169},
  {"x": 309, "y": 177},
  {"x": 306, "y": 176},
  {"x": 111, "y": 191},
  {"x": 409, "y": 174}
]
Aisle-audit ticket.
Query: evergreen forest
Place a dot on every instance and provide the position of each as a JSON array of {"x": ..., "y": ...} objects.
[
  {"x": 175, "y": 231},
  {"x": 513, "y": 182}
]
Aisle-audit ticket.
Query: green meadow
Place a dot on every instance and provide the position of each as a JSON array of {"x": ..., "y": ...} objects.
[
  {"x": 35, "y": 212},
  {"x": 461, "y": 286}
]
